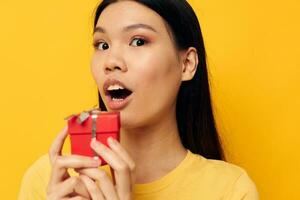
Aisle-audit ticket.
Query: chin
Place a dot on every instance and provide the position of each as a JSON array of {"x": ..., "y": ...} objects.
[
  {"x": 130, "y": 121},
  {"x": 127, "y": 121}
]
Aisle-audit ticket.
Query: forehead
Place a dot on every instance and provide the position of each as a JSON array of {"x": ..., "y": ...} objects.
[{"x": 125, "y": 13}]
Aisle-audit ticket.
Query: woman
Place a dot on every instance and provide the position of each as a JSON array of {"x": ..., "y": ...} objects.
[{"x": 154, "y": 51}]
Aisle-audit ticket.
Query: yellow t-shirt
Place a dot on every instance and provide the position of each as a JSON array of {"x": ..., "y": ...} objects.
[{"x": 194, "y": 178}]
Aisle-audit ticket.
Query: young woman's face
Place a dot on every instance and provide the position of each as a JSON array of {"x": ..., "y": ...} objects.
[{"x": 133, "y": 46}]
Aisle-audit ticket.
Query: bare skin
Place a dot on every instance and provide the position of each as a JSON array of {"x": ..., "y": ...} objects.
[{"x": 148, "y": 63}]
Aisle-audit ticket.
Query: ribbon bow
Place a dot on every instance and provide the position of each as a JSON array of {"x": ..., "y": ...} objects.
[{"x": 84, "y": 115}]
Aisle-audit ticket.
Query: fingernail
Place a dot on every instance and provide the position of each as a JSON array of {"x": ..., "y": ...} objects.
[
  {"x": 96, "y": 158},
  {"x": 96, "y": 162},
  {"x": 93, "y": 142},
  {"x": 111, "y": 141}
]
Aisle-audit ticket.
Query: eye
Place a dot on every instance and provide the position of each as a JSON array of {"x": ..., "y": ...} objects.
[
  {"x": 139, "y": 41},
  {"x": 101, "y": 45}
]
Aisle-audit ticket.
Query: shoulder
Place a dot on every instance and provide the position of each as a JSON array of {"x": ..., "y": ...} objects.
[
  {"x": 232, "y": 179},
  {"x": 35, "y": 179},
  {"x": 39, "y": 169},
  {"x": 216, "y": 168}
]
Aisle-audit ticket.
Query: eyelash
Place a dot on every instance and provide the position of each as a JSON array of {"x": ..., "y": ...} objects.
[{"x": 96, "y": 44}]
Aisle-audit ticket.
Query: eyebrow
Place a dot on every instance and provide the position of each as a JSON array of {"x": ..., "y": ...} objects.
[{"x": 127, "y": 28}]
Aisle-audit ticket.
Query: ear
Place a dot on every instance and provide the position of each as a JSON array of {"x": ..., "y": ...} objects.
[{"x": 189, "y": 63}]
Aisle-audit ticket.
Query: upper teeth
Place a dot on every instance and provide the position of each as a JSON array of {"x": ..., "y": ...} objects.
[{"x": 115, "y": 87}]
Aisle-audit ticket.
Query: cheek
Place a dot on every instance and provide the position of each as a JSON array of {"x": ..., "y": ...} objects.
[
  {"x": 95, "y": 69},
  {"x": 160, "y": 69},
  {"x": 158, "y": 75}
]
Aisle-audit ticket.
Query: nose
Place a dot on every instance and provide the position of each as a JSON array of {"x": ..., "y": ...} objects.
[{"x": 114, "y": 62}]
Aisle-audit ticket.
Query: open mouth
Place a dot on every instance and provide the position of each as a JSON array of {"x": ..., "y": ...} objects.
[{"x": 118, "y": 94}]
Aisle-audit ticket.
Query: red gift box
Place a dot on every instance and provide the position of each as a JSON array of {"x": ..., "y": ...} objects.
[{"x": 100, "y": 125}]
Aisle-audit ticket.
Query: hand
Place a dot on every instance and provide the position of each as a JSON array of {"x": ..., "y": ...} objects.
[
  {"x": 61, "y": 185},
  {"x": 97, "y": 182}
]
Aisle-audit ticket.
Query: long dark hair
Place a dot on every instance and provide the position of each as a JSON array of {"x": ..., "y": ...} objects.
[{"x": 194, "y": 113}]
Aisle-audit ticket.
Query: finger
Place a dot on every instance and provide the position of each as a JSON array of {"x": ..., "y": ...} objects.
[
  {"x": 122, "y": 170},
  {"x": 62, "y": 163},
  {"x": 119, "y": 150},
  {"x": 78, "y": 198},
  {"x": 116, "y": 147},
  {"x": 112, "y": 175},
  {"x": 75, "y": 198},
  {"x": 65, "y": 188},
  {"x": 78, "y": 188},
  {"x": 57, "y": 144},
  {"x": 92, "y": 188},
  {"x": 81, "y": 189},
  {"x": 105, "y": 183}
]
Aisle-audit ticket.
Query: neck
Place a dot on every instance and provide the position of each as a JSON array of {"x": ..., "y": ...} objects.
[{"x": 156, "y": 149}]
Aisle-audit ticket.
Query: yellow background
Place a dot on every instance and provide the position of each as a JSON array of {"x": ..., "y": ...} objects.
[{"x": 253, "y": 56}]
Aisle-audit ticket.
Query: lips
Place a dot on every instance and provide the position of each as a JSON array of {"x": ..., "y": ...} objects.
[
  {"x": 109, "y": 82},
  {"x": 116, "y": 103}
]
